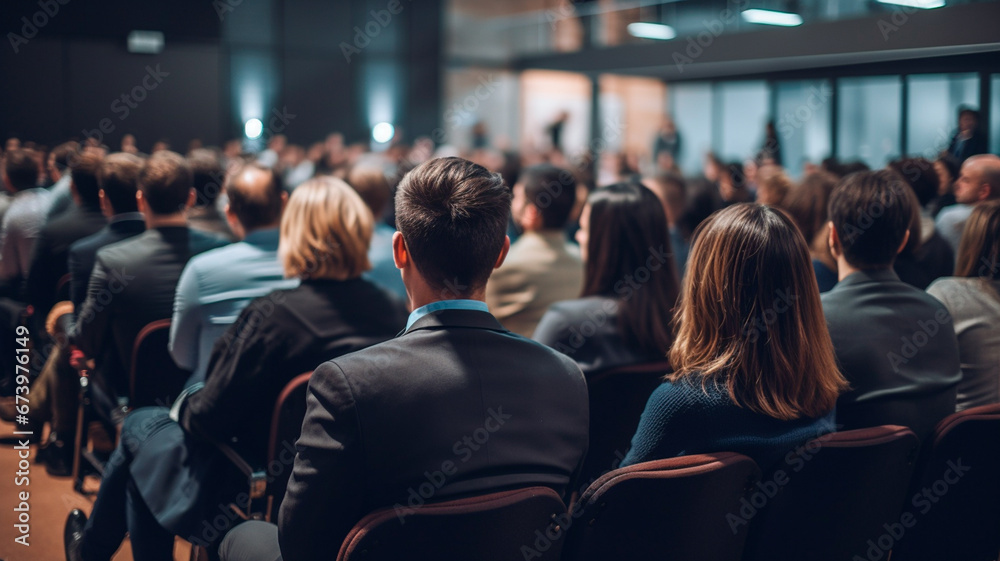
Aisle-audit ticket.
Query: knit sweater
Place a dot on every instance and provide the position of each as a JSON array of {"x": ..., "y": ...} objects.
[{"x": 682, "y": 418}]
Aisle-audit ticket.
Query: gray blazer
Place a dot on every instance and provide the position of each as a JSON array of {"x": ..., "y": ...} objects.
[{"x": 896, "y": 345}]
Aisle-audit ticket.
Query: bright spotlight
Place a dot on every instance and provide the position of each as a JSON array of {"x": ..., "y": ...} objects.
[
  {"x": 383, "y": 132},
  {"x": 253, "y": 128},
  {"x": 771, "y": 17},
  {"x": 645, "y": 30}
]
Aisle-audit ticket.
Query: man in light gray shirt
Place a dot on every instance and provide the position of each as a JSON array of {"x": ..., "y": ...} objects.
[
  {"x": 216, "y": 285},
  {"x": 979, "y": 180},
  {"x": 23, "y": 220}
]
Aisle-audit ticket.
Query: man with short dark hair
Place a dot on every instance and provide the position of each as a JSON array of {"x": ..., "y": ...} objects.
[
  {"x": 216, "y": 285},
  {"x": 22, "y": 223},
  {"x": 208, "y": 178},
  {"x": 133, "y": 281},
  {"x": 381, "y": 419},
  {"x": 50, "y": 260},
  {"x": 895, "y": 344},
  {"x": 542, "y": 268},
  {"x": 978, "y": 181}
]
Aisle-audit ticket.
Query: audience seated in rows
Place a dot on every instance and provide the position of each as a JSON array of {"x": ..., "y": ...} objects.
[
  {"x": 895, "y": 344},
  {"x": 216, "y": 285},
  {"x": 134, "y": 281},
  {"x": 743, "y": 381},
  {"x": 379, "y": 421},
  {"x": 165, "y": 478},
  {"x": 50, "y": 257},
  {"x": 978, "y": 181},
  {"x": 630, "y": 284},
  {"x": 542, "y": 268},
  {"x": 972, "y": 298}
]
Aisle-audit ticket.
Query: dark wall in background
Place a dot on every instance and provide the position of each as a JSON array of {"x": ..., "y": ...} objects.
[{"x": 73, "y": 73}]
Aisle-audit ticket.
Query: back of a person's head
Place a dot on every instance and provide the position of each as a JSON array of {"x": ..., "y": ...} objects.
[
  {"x": 254, "y": 194},
  {"x": 744, "y": 317},
  {"x": 207, "y": 175},
  {"x": 370, "y": 181},
  {"x": 871, "y": 212},
  {"x": 453, "y": 215},
  {"x": 919, "y": 175},
  {"x": 807, "y": 202},
  {"x": 64, "y": 154},
  {"x": 552, "y": 191},
  {"x": 119, "y": 179},
  {"x": 84, "y": 171},
  {"x": 979, "y": 250},
  {"x": 628, "y": 236},
  {"x": 325, "y": 231},
  {"x": 672, "y": 192},
  {"x": 21, "y": 168},
  {"x": 165, "y": 182},
  {"x": 773, "y": 185}
]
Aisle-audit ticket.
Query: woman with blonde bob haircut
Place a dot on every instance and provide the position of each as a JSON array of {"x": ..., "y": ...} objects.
[
  {"x": 325, "y": 231},
  {"x": 754, "y": 368}
]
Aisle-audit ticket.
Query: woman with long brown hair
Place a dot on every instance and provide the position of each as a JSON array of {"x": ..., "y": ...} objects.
[
  {"x": 972, "y": 297},
  {"x": 754, "y": 369},
  {"x": 630, "y": 284}
]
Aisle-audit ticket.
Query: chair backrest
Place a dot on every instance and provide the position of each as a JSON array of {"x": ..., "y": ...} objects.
[
  {"x": 62, "y": 288},
  {"x": 832, "y": 496},
  {"x": 518, "y": 524},
  {"x": 679, "y": 509},
  {"x": 954, "y": 501},
  {"x": 617, "y": 400},
  {"x": 155, "y": 379},
  {"x": 286, "y": 425}
]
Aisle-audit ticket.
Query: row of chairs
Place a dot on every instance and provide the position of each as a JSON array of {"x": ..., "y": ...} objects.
[{"x": 854, "y": 498}]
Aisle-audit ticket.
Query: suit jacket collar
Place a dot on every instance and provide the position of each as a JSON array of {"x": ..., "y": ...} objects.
[
  {"x": 473, "y": 319},
  {"x": 869, "y": 276}
]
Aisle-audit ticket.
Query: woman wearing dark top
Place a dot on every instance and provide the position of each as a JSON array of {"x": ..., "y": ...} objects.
[
  {"x": 333, "y": 311},
  {"x": 165, "y": 478},
  {"x": 806, "y": 203},
  {"x": 754, "y": 369},
  {"x": 630, "y": 284}
]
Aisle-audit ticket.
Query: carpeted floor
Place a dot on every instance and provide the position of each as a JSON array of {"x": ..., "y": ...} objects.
[{"x": 50, "y": 499}]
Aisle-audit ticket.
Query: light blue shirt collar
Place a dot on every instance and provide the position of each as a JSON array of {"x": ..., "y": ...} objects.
[{"x": 476, "y": 305}]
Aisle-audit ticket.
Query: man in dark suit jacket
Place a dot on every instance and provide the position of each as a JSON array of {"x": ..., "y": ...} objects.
[
  {"x": 133, "y": 281},
  {"x": 57, "y": 388},
  {"x": 49, "y": 260},
  {"x": 455, "y": 405},
  {"x": 895, "y": 344},
  {"x": 118, "y": 180}
]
